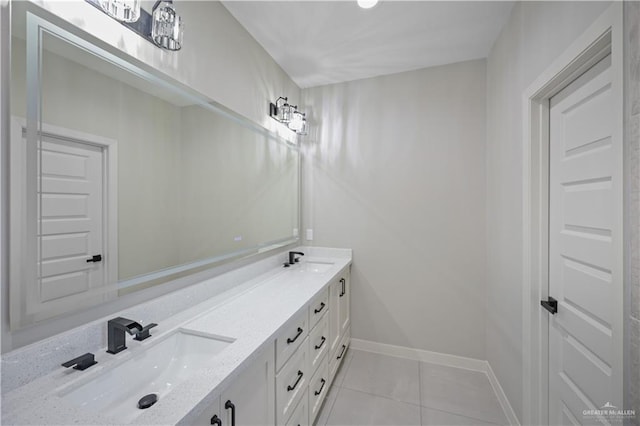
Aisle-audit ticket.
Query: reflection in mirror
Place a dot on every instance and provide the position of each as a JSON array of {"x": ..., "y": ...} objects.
[{"x": 130, "y": 181}]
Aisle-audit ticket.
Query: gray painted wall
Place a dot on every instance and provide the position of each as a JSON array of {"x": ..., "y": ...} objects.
[
  {"x": 632, "y": 157},
  {"x": 536, "y": 33},
  {"x": 395, "y": 170}
]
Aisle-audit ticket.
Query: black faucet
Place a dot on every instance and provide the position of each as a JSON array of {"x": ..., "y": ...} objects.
[
  {"x": 115, "y": 333},
  {"x": 293, "y": 259}
]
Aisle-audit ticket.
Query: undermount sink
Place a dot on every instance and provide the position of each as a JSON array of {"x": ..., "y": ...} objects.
[
  {"x": 316, "y": 267},
  {"x": 155, "y": 370}
]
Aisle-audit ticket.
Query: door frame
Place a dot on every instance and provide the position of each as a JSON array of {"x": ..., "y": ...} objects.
[
  {"x": 22, "y": 252},
  {"x": 603, "y": 37}
]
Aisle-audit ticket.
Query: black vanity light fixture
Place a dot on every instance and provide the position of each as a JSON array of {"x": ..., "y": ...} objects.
[
  {"x": 162, "y": 27},
  {"x": 288, "y": 114}
]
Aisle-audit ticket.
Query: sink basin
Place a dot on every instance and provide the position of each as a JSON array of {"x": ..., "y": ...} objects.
[
  {"x": 316, "y": 267},
  {"x": 155, "y": 370}
]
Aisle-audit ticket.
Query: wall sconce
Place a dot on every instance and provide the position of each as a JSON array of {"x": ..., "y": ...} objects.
[
  {"x": 287, "y": 114},
  {"x": 162, "y": 27}
]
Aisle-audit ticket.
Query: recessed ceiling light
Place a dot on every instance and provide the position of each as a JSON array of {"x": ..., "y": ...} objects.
[{"x": 367, "y": 4}]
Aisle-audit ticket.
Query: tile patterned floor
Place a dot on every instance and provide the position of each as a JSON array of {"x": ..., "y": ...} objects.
[{"x": 374, "y": 389}]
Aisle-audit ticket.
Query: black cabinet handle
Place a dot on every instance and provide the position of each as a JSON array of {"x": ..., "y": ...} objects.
[
  {"x": 82, "y": 362},
  {"x": 344, "y": 290},
  {"x": 319, "y": 391},
  {"x": 321, "y": 343},
  {"x": 290, "y": 388},
  {"x": 344, "y": 348},
  {"x": 230, "y": 405},
  {"x": 95, "y": 258},
  {"x": 215, "y": 420},
  {"x": 317, "y": 311},
  {"x": 550, "y": 305},
  {"x": 290, "y": 340}
]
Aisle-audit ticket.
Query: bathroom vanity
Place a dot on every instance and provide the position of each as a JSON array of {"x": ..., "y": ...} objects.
[{"x": 264, "y": 352}]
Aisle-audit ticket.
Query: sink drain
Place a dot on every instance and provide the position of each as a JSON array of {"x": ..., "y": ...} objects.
[{"x": 147, "y": 401}]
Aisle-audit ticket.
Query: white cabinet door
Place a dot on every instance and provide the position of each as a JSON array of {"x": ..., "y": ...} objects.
[
  {"x": 344, "y": 300},
  {"x": 250, "y": 399},
  {"x": 335, "y": 288}
]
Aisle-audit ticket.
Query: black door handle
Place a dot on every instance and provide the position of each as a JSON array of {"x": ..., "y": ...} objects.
[
  {"x": 290, "y": 340},
  {"x": 231, "y": 405},
  {"x": 215, "y": 420},
  {"x": 95, "y": 258},
  {"x": 550, "y": 305},
  {"x": 343, "y": 282},
  {"x": 290, "y": 388}
]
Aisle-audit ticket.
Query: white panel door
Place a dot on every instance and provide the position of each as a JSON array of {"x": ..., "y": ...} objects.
[
  {"x": 71, "y": 227},
  {"x": 585, "y": 211}
]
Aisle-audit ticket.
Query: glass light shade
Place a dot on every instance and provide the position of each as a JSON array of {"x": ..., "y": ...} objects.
[
  {"x": 167, "y": 28},
  {"x": 284, "y": 113},
  {"x": 122, "y": 10},
  {"x": 297, "y": 122}
]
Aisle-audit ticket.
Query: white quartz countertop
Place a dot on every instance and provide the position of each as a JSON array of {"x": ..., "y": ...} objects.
[{"x": 252, "y": 317}]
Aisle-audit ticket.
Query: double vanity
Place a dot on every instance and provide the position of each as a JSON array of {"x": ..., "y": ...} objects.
[{"x": 263, "y": 352}]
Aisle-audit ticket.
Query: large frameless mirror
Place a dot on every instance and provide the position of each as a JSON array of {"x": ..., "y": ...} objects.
[{"x": 122, "y": 180}]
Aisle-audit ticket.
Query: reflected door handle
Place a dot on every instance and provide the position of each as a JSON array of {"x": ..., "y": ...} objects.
[
  {"x": 550, "y": 305},
  {"x": 95, "y": 258}
]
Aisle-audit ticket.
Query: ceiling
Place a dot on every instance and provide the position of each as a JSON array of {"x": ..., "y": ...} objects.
[{"x": 324, "y": 42}]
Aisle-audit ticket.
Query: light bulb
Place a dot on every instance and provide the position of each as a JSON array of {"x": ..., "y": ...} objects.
[
  {"x": 297, "y": 122},
  {"x": 367, "y": 4}
]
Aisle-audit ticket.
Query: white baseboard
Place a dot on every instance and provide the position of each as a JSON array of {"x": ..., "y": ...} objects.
[
  {"x": 442, "y": 359},
  {"x": 502, "y": 397},
  {"x": 420, "y": 355}
]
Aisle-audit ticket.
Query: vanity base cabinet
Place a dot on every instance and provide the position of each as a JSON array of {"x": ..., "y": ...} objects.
[
  {"x": 338, "y": 356},
  {"x": 249, "y": 399},
  {"x": 318, "y": 388},
  {"x": 300, "y": 416}
]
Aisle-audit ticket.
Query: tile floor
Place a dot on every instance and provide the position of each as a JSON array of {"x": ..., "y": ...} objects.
[{"x": 374, "y": 389}]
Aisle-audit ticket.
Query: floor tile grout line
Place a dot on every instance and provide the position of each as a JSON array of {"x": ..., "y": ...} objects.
[{"x": 380, "y": 396}]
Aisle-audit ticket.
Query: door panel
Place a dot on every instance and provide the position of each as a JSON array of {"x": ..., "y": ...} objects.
[
  {"x": 584, "y": 220},
  {"x": 71, "y": 213}
]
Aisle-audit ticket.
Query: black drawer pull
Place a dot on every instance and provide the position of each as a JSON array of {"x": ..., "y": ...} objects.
[
  {"x": 317, "y": 311},
  {"x": 290, "y": 340},
  {"x": 324, "y": 339},
  {"x": 231, "y": 405},
  {"x": 319, "y": 391},
  {"x": 215, "y": 420},
  {"x": 344, "y": 348},
  {"x": 344, "y": 290},
  {"x": 290, "y": 388}
]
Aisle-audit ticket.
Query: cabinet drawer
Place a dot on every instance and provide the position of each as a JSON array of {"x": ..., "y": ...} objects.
[
  {"x": 300, "y": 416},
  {"x": 318, "y": 343},
  {"x": 338, "y": 355},
  {"x": 318, "y": 388},
  {"x": 290, "y": 338},
  {"x": 291, "y": 382},
  {"x": 318, "y": 307}
]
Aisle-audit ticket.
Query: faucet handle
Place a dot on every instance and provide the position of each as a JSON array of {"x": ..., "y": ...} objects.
[
  {"x": 144, "y": 333},
  {"x": 82, "y": 362}
]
